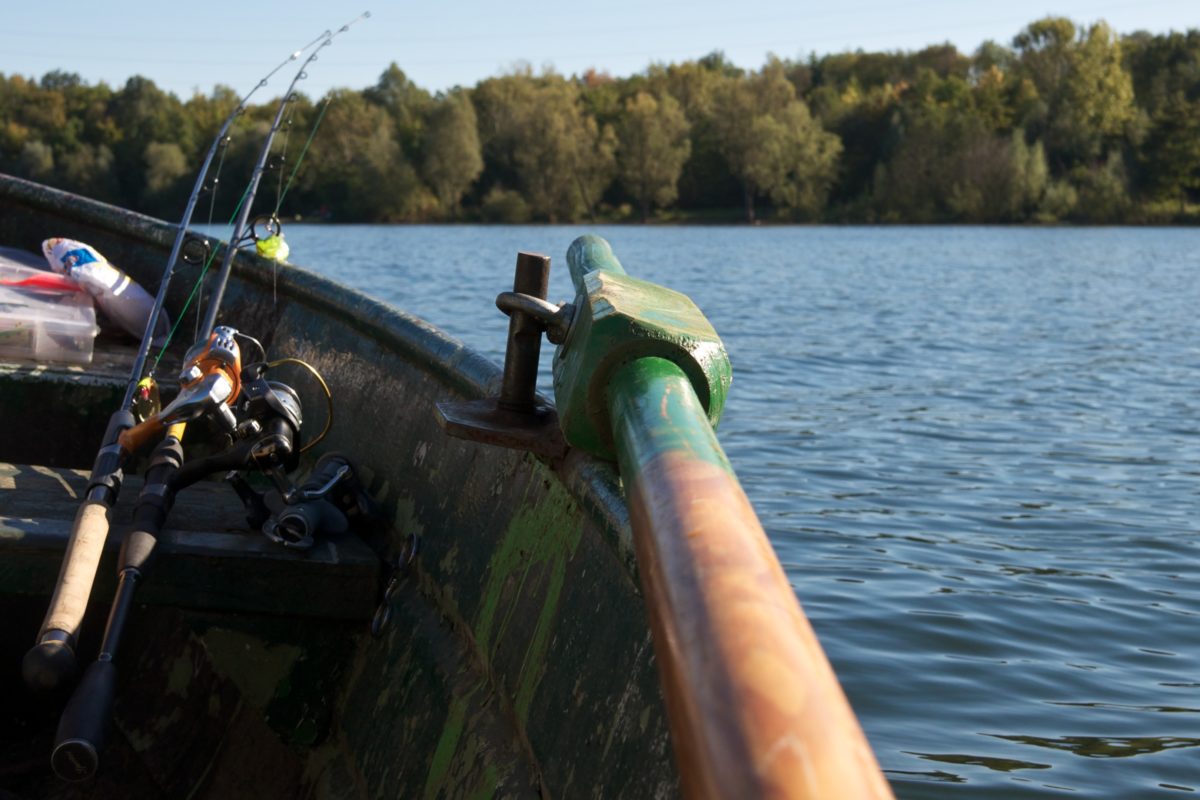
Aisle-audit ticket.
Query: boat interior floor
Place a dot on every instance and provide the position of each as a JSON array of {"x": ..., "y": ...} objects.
[
  {"x": 207, "y": 558},
  {"x": 52, "y": 419},
  {"x": 222, "y": 613}
]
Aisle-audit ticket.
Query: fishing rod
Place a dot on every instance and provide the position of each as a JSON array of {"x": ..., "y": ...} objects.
[
  {"x": 136, "y": 437},
  {"x": 52, "y": 663},
  {"x": 239, "y": 231},
  {"x": 139, "y": 364},
  {"x": 212, "y": 380}
]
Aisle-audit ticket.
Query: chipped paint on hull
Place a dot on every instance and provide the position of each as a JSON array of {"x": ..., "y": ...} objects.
[{"x": 535, "y": 547}]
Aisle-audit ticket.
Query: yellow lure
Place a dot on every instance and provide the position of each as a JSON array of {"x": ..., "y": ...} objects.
[{"x": 273, "y": 247}]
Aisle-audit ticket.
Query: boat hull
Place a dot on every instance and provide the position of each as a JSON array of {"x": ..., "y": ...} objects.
[{"x": 518, "y": 659}]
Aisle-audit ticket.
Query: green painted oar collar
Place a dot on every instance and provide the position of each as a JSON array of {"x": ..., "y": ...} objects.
[{"x": 619, "y": 319}]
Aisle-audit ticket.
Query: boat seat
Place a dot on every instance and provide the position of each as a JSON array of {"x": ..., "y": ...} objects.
[{"x": 207, "y": 558}]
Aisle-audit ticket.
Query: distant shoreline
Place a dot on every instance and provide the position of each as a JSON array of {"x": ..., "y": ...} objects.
[{"x": 1070, "y": 124}]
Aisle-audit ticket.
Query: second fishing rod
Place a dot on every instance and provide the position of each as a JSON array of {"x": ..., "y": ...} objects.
[
  {"x": 210, "y": 384},
  {"x": 52, "y": 663}
]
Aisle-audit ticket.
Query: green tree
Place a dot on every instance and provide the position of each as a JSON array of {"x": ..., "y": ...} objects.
[
  {"x": 355, "y": 165},
  {"x": 166, "y": 165},
  {"x": 1103, "y": 190},
  {"x": 771, "y": 142},
  {"x": 795, "y": 161},
  {"x": 88, "y": 169},
  {"x": 949, "y": 163},
  {"x": 654, "y": 146},
  {"x": 992, "y": 54},
  {"x": 1172, "y": 150},
  {"x": 864, "y": 122},
  {"x": 407, "y": 104},
  {"x": 1087, "y": 96},
  {"x": 144, "y": 114},
  {"x": 693, "y": 83},
  {"x": 1162, "y": 67},
  {"x": 558, "y": 154},
  {"x": 504, "y": 206},
  {"x": 36, "y": 160},
  {"x": 1032, "y": 177},
  {"x": 500, "y": 103},
  {"x": 453, "y": 156},
  {"x": 208, "y": 112},
  {"x": 706, "y": 180},
  {"x": 593, "y": 160}
]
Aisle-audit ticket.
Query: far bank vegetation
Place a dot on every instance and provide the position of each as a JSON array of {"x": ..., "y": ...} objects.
[{"x": 1067, "y": 123}]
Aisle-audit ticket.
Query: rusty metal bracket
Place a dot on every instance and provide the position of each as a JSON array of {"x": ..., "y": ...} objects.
[
  {"x": 556, "y": 319},
  {"x": 517, "y": 419}
]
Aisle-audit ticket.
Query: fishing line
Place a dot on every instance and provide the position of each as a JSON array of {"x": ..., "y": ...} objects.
[
  {"x": 303, "y": 152},
  {"x": 280, "y": 163},
  {"x": 284, "y": 189},
  {"x": 287, "y": 133},
  {"x": 242, "y": 210},
  {"x": 213, "y": 187},
  {"x": 196, "y": 289},
  {"x": 239, "y": 232}
]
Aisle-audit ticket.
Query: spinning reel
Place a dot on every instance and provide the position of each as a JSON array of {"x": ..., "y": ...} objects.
[
  {"x": 327, "y": 502},
  {"x": 262, "y": 419}
]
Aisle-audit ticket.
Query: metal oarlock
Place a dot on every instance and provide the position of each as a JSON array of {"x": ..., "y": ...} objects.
[{"x": 517, "y": 418}]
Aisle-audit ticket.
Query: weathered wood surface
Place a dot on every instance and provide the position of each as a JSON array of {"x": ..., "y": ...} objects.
[{"x": 208, "y": 557}]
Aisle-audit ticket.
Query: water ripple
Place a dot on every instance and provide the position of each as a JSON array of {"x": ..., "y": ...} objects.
[{"x": 976, "y": 451}]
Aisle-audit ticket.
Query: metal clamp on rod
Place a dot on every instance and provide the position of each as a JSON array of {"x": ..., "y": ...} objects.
[
  {"x": 516, "y": 419},
  {"x": 555, "y": 319}
]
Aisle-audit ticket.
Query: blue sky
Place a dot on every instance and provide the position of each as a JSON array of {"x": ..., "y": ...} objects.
[{"x": 188, "y": 47}]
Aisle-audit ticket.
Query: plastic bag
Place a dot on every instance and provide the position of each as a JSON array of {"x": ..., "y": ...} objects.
[{"x": 118, "y": 296}]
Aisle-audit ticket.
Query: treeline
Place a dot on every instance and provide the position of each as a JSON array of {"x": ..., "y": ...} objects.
[{"x": 1067, "y": 124}]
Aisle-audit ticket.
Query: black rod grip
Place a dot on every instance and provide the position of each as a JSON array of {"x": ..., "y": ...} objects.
[{"x": 84, "y": 724}]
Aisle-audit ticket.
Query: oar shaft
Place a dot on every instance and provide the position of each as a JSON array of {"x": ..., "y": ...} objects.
[{"x": 755, "y": 709}]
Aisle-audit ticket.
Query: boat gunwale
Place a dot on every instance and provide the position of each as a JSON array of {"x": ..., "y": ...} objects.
[{"x": 593, "y": 483}]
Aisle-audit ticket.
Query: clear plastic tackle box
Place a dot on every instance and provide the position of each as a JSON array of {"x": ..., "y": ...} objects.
[{"x": 43, "y": 325}]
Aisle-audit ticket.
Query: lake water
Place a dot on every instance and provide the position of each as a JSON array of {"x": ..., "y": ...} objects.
[{"x": 976, "y": 451}]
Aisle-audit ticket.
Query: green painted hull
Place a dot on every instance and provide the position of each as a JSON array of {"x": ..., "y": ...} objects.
[{"x": 518, "y": 661}]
